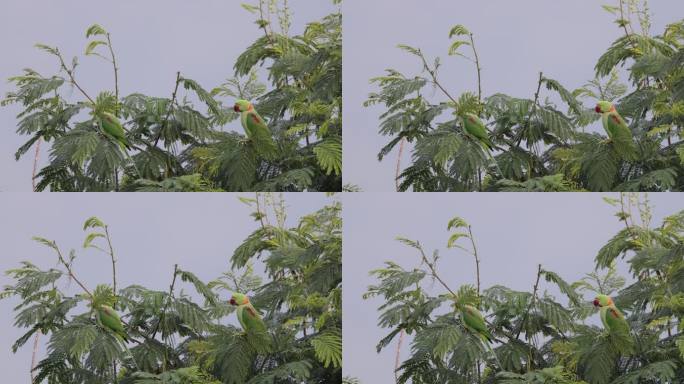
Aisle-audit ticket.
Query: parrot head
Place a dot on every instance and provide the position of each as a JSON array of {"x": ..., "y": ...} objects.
[
  {"x": 604, "y": 106},
  {"x": 603, "y": 301},
  {"x": 239, "y": 299},
  {"x": 242, "y": 106}
]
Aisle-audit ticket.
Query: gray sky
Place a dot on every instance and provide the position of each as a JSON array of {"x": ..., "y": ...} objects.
[
  {"x": 150, "y": 233},
  {"x": 515, "y": 40},
  {"x": 514, "y": 233},
  {"x": 153, "y": 40}
]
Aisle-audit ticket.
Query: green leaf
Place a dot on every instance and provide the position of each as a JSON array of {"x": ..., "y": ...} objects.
[
  {"x": 328, "y": 348},
  {"x": 92, "y": 45},
  {"x": 95, "y": 30},
  {"x": 91, "y": 236},
  {"x": 93, "y": 222},
  {"x": 458, "y": 30},
  {"x": 329, "y": 155}
]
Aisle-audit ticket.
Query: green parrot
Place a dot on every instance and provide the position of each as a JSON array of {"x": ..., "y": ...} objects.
[
  {"x": 476, "y": 128},
  {"x": 247, "y": 315},
  {"x": 108, "y": 318},
  {"x": 617, "y": 130},
  {"x": 113, "y": 128},
  {"x": 473, "y": 320},
  {"x": 613, "y": 320},
  {"x": 255, "y": 128}
]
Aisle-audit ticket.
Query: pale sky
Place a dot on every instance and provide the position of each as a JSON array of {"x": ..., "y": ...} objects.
[
  {"x": 150, "y": 233},
  {"x": 515, "y": 40},
  {"x": 514, "y": 233},
  {"x": 153, "y": 40}
]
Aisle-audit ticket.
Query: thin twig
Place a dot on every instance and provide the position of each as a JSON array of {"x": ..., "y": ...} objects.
[
  {"x": 529, "y": 307},
  {"x": 70, "y": 271},
  {"x": 265, "y": 23},
  {"x": 397, "y": 358},
  {"x": 477, "y": 258},
  {"x": 168, "y": 300},
  {"x": 434, "y": 271},
  {"x": 168, "y": 111},
  {"x": 116, "y": 73},
  {"x": 433, "y": 74},
  {"x": 111, "y": 254},
  {"x": 477, "y": 65},
  {"x": 398, "y": 169},
  {"x": 36, "y": 158},
  {"x": 35, "y": 352},
  {"x": 73, "y": 79}
]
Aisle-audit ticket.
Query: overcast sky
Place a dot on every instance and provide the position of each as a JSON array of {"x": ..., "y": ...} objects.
[
  {"x": 515, "y": 40},
  {"x": 150, "y": 233},
  {"x": 514, "y": 233},
  {"x": 153, "y": 40}
]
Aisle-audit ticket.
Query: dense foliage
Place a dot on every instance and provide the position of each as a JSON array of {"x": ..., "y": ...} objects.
[
  {"x": 541, "y": 145},
  {"x": 174, "y": 338},
  {"x": 540, "y": 338},
  {"x": 190, "y": 141}
]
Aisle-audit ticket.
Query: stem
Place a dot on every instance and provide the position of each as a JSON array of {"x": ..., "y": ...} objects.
[
  {"x": 71, "y": 272},
  {"x": 168, "y": 112},
  {"x": 111, "y": 254},
  {"x": 166, "y": 305},
  {"x": 477, "y": 65},
  {"x": 433, "y": 74},
  {"x": 397, "y": 358},
  {"x": 624, "y": 23},
  {"x": 36, "y": 158},
  {"x": 534, "y": 298},
  {"x": 265, "y": 23},
  {"x": 477, "y": 259},
  {"x": 398, "y": 169},
  {"x": 35, "y": 352},
  {"x": 434, "y": 271},
  {"x": 116, "y": 73},
  {"x": 534, "y": 106},
  {"x": 72, "y": 78}
]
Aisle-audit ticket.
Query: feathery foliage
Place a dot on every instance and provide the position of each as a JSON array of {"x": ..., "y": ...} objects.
[
  {"x": 187, "y": 334},
  {"x": 540, "y": 338},
  {"x": 541, "y": 145},
  {"x": 190, "y": 141}
]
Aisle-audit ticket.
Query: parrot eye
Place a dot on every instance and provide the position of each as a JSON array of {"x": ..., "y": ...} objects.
[{"x": 236, "y": 108}]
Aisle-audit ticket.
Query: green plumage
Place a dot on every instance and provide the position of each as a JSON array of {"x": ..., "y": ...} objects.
[
  {"x": 256, "y": 129},
  {"x": 109, "y": 319},
  {"x": 474, "y": 320},
  {"x": 476, "y": 128},
  {"x": 613, "y": 320},
  {"x": 112, "y": 127},
  {"x": 618, "y": 131},
  {"x": 247, "y": 315}
]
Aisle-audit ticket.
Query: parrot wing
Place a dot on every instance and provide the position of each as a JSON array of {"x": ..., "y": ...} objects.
[
  {"x": 603, "y": 311},
  {"x": 113, "y": 128},
  {"x": 474, "y": 320},
  {"x": 620, "y": 134},
  {"x": 258, "y": 132},
  {"x": 110, "y": 319},
  {"x": 616, "y": 321},
  {"x": 250, "y": 319},
  {"x": 474, "y": 126}
]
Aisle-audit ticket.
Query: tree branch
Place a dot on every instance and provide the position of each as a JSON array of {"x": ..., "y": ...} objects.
[
  {"x": 477, "y": 258},
  {"x": 168, "y": 111},
  {"x": 477, "y": 65},
  {"x": 433, "y": 74},
  {"x": 529, "y": 307},
  {"x": 116, "y": 73},
  {"x": 72, "y": 78},
  {"x": 111, "y": 254},
  {"x": 168, "y": 300},
  {"x": 70, "y": 271},
  {"x": 398, "y": 168}
]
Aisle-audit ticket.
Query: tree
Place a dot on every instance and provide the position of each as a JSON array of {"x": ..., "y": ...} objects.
[
  {"x": 540, "y": 338},
  {"x": 541, "y": 145},
  {"x": 190, "y": 141},
  {"x": 176, "y": 337}
]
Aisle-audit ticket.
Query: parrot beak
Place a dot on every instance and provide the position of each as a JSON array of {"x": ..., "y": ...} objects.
[
  {"x": 232, "y": 302},
  {"x": 236, "y": 108},
  {"x": 596, "y": 303},
  {"x": 597, "y": 109}
]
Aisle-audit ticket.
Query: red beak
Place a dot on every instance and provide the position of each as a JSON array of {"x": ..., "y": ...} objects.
[
  {"x": 236, "y": 108},
  {"x": 232, "y": 302},
  {"x": 597, "y": 109},
  {"x": 596, "y": 303}
]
